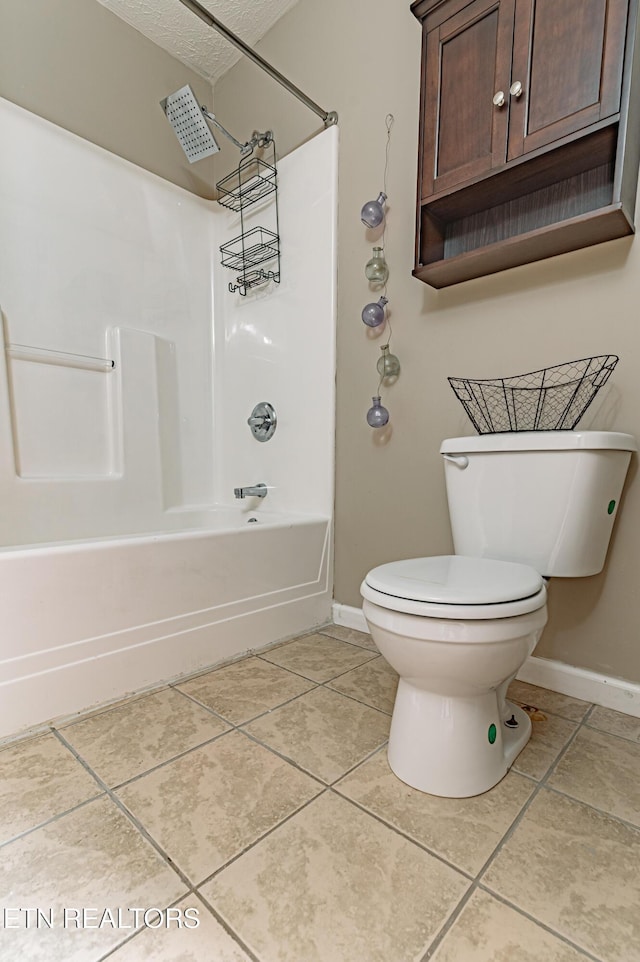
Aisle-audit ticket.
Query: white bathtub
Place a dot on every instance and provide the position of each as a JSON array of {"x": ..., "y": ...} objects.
[
  {"x": 86, "y": 622},
  {"x": 129, "y": 272}
]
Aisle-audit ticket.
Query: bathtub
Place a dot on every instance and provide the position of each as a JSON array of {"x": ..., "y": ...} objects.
[
  {"x": 127, "y": 375},
  {"x": 87, "y": 622}
]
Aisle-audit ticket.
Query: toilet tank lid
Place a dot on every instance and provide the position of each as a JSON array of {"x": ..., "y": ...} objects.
[{"x": 541, "y": 441}]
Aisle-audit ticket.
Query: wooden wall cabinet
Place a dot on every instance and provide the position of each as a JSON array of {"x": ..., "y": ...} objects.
[{"x": 529, "y": 139}]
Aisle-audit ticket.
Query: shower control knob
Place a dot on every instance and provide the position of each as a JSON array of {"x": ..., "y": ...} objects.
[{"x": 263, "y": 421}]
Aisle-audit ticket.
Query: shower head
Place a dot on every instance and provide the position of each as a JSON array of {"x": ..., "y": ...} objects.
[{"x": 186, "y": 116}]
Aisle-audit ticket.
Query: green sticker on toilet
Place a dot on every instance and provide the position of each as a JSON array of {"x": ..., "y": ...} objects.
[
  {"x": 492, "y": 733},
  {"x": 611, "y": 507}
]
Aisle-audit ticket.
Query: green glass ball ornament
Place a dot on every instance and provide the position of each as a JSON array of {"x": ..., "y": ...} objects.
[
  {"x": 377, "y": 270},
  {"x": 388, "y": 364}
]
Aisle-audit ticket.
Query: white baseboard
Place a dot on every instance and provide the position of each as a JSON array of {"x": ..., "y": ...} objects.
[
  {"x": 615, "y": 693},
  {"x": 602, "y": 690},
  {"x": 349, "y": 617}
]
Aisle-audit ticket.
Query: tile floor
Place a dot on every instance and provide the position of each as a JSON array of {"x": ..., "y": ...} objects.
[{"x": 256, "y": 799}]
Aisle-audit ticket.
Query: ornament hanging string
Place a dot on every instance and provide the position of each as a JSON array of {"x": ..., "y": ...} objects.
[{"x": 389, "y": 122}]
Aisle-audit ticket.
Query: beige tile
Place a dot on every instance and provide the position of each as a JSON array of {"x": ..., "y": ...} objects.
[
  {"x": 207, "y": 806},
  {"x": 548, "y": 701},
  {"x": 615, "y": 722},
  {"x": 98, "y": 709},
  {"x": 465, "y": 831},
  {"x": 575, "y": 870},
  {"x": 604, "y": 771},
  {"x": 128, "y": 740},
  {"x": 323, "y": 732},
  {"x": 351, "y": 635},
  {"x": 92, "y": 858},
  {"x": 318, "y": 657},
  {"x": 374, "y": 684},
  {"x": 39, "y": 778},
  {"x": 245, "y": 689},
  {"x": 209, "y": 942},
  {"x": 489, "y": 931},
  {"x": 549, "y": 735},
  {"x": 334, "y": 885}
]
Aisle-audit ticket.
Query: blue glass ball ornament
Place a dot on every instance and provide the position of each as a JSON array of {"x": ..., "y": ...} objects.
[
  {"x": 372, "y": 214},
  {"x": 377, "y": 415},
  {"x": 373, "y": 314}
]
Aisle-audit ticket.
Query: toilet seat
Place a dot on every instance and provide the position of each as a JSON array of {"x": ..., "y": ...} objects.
[{"x": 456, "y": 587}]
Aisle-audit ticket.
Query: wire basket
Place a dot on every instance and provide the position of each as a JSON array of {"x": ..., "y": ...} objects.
[
  {"x": 551, "y": 399},
  {"x": 250, "y": 249},
  {"x": 253, "y": 180}
]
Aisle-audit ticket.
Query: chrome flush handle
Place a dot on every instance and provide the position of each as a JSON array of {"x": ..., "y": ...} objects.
[{"x": 460, "y": 460}]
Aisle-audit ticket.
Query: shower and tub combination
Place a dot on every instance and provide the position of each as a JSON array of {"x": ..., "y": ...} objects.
[{"x": 146, "y": 531}]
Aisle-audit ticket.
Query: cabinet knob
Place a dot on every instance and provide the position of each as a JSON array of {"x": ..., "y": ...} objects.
[
  {"x": 499, "y": 98},
  {"x": 515, "y": 89}
]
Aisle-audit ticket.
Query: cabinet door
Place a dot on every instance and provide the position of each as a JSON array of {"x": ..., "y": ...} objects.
[
  {"x": 468, "y": 59},
  {"x": 568, "y": 57}
]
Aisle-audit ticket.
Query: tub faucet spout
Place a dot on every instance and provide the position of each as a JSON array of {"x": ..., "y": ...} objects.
[{"x": 253, "y": 491}]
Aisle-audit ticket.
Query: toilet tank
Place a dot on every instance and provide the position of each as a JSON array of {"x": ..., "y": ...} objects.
[{"x": 543, "y": 498}]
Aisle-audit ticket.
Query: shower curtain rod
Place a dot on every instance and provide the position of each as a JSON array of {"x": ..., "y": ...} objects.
[{"x": 329, "y": 117}]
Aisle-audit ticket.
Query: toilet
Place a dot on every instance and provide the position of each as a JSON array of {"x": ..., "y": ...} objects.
[{"x": 524, "y": 507}]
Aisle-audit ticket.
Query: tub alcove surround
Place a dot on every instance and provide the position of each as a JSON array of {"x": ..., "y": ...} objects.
[{"x": 127, "y": 375}]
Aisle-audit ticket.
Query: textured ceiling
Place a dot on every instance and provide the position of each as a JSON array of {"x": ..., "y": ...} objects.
[{"x": 179, "y": 31}]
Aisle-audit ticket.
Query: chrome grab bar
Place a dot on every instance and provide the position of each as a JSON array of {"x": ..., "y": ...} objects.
[{"x": 42, "y": 355}]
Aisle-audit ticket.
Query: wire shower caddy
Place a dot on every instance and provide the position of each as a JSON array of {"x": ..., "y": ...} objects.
[
  {"x": 254, "y": 255},
  {"x": 550, "y": 399}
]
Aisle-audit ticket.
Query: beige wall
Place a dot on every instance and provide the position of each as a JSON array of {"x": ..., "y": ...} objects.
[
  {"x": 364, "y": 61},
  {"x": 78, "y": 65}
]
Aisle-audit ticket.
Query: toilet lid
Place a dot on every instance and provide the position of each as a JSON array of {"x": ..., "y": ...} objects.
[{"x": 456, "y": 580}]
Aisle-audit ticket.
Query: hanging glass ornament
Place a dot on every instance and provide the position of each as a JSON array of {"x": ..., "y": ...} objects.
[
  {"x": 372, "y": 214},
  {"x": 377, "y": 415},
  {"x": 376, "y": 269},
  {"x": 373, "y": 314},
  {"x": 388, "y": 365}
]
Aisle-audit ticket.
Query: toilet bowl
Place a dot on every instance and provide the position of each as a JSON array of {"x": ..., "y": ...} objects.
[{"x": 457, "y": 628}]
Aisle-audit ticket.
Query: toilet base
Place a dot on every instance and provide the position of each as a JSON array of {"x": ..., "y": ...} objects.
[{"x": 454, "y": 746}]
